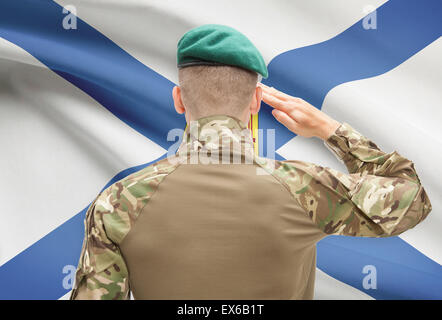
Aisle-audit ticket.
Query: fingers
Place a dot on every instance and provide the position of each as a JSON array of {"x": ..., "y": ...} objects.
[
  {"x": 275, "y": 93},
  {"x": 286, "y": 120},
  {"x": 275, "y": 102},
  {"x": 285, "y": 104},
  {"x": 272, "y": 91}
]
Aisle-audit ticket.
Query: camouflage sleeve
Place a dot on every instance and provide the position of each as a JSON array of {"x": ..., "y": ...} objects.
[
  {"x": 101, "y": 272},
  {"x": 363, "y": 156},
  {"x": 381, "y": 196}
]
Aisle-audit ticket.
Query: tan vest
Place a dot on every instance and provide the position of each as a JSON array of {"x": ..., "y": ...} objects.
[{"x": 221, "y": 232}]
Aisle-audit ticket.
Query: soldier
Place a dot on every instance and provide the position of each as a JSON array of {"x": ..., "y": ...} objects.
[{"x": 206, "y": 230}]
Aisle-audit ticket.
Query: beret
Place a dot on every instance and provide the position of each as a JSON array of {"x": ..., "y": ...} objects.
[{"x": 214, "y": 44}]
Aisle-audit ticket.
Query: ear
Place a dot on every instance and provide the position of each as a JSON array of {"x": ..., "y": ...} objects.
[
  {"x": 256, "y": 101},
  {"x": 178, "y": 103}
]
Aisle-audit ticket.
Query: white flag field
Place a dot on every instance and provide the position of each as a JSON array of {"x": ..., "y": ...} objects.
[{"x": 85, "y": 100}]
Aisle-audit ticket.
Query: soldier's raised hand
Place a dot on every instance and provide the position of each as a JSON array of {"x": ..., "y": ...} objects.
[{"x": 298, "y": 115}]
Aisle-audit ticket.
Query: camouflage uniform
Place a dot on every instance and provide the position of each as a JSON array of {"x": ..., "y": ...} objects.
[{"x": 217, "y": 231}]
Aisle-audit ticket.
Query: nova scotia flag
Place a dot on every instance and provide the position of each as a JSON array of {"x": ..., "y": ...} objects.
[{"x": 85, "y": 100}]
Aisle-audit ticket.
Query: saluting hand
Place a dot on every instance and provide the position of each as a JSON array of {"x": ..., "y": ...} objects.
[{"x": 298, "y": 115}]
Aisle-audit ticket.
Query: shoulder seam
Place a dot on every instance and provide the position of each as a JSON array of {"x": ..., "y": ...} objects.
[
  {"x": 142, "y": 208},
  {"x": 283, "y": 183},
  {"x": 286, "y": 186}
]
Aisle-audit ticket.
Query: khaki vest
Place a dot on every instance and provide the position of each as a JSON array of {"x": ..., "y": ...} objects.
[{"x": 221, "y": 232}]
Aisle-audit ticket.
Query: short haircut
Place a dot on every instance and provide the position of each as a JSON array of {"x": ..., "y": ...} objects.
[{"x": 210, "y": 90}]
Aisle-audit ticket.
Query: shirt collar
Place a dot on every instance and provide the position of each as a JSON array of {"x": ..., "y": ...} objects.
[{"x": 215, "y": 134}]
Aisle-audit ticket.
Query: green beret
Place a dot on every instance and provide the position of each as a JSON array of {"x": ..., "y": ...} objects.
[{"x": 214, "y": 44}]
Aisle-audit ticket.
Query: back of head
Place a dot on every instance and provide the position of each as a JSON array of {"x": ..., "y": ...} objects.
[{"x": 216, "y": 89}]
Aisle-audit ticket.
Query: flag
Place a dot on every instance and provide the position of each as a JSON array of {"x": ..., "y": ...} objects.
[{"x": 85, "y": 100}]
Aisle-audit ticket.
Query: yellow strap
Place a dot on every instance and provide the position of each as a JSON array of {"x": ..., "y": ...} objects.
[{"x": 253, "y": 126}]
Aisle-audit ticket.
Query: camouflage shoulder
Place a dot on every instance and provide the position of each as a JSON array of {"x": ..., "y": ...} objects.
[
  {"x": 287, "y": 170},
  {"x": 299, "y": 174},
  {"x": 121, "y": 203},
  {"x": 322, "y": 193}
]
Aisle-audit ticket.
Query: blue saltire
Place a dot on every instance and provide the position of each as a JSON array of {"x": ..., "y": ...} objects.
[{"x": 141, "y": 98}]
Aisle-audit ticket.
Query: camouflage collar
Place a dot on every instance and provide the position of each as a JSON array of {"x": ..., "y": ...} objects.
[{"x": 217, "y": 134}]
